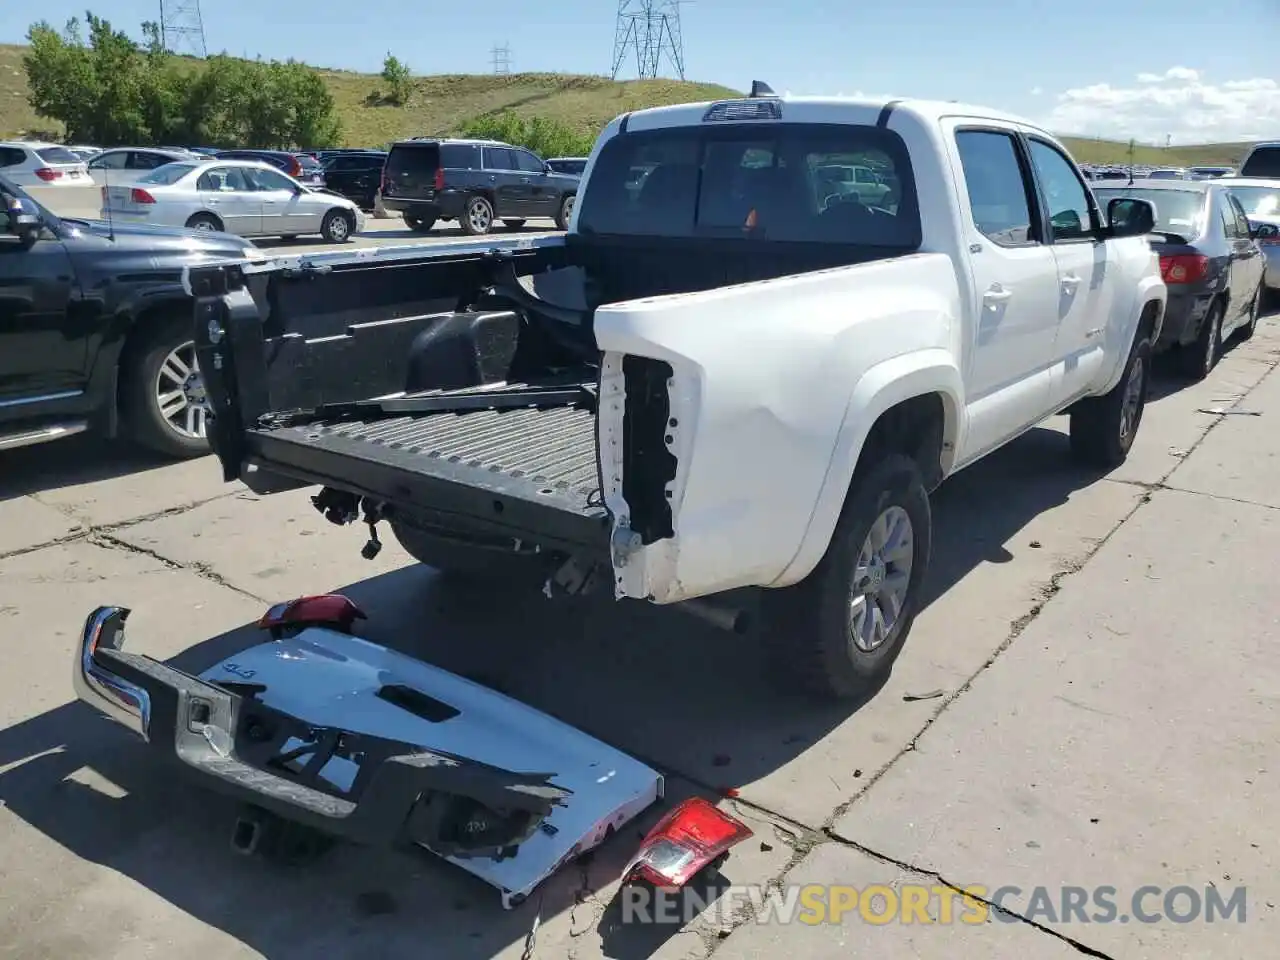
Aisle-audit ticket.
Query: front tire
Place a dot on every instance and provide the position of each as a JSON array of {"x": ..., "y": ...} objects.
[
  {"x": 1103, "y": 428},
  {"x": 477, "y": 218},
  {"x": 837, "y": 633},
  {"x": 164, "y": 403},
  {"x": 338, "y": 226}
]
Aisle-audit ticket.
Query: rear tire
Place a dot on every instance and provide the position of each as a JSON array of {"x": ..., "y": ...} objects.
[
  {"x": 467, "y": 561},
  {"x": 565, "y": 213},
  {"x": 1200, "y": 357},
  {"x": 812, "y": 629},
  {"x": 477, "y": 218},
  {"x": 1255, "y": 309},
  {"x": 205, "y": 221},
  {"x": 146, "y": 373},
  {"x": 1103, "y": 428}
]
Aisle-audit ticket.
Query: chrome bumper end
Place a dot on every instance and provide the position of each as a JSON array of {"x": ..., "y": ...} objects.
[{"x": 122, "y": 701}]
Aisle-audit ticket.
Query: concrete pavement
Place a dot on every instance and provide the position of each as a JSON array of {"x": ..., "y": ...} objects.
[{"x": 1087, "y": 700}]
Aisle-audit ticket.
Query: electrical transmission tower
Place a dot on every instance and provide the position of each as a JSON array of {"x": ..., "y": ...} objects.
[
  {"x": 501, "y": 60},
  {"x": 182, "y": 27},
  {"x": 650, "y": 28}
]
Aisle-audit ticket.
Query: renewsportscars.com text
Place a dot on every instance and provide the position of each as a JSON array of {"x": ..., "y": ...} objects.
[{"x": 879, "y": 904}]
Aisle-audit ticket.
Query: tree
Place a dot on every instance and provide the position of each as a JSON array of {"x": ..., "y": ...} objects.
[
  {"x": 111, "y": 90},
  {"x": 398, "y": 80},
  {"x": 545, "y": 137}
]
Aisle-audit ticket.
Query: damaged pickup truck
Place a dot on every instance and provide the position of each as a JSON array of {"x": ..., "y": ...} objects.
[{"x": 728, "y": 374}]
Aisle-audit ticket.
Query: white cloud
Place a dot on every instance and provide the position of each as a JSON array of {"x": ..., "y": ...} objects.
[{"x": 1179, "y": 103}]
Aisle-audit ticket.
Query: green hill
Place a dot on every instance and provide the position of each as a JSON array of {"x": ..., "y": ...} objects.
[{"x": 439, "y": 104}]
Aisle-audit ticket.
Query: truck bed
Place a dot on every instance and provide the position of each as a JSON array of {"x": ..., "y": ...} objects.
[{"x": 523, "y": 469}]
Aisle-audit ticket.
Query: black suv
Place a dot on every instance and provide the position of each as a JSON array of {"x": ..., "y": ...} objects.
[{"x": 474, "y": 182}]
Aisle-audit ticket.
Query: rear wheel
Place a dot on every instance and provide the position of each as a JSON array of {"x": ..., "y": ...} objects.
[
  {"x": 565, "y": 213},
  {"x": 838, "y": 632},
  {"x": 477, "y": 218},
  {"x": 1103, "y": 428},
  {"x": 164, "y": 402},
  {"x": 1255, "y": 310},
  {"x": 471, "y": 561},
  {"x": 1199, "y": 358},
  {"x": 205, "y": 221}
]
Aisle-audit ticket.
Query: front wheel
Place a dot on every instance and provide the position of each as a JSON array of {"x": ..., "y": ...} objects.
[
  {"x": 1103, "y": 428},
  {"x": 477, "y": 218},
  {"x": 164, "y": 400},
  {"x": 837, "y": 633},
  {"x": 338, "y": 226}
]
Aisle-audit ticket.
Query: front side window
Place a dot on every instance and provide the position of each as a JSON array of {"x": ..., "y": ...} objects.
[
  {"x": 1071, "y": 215},
  {"x": 753, "y": 182},
  {"x": 224, "y": 180}
]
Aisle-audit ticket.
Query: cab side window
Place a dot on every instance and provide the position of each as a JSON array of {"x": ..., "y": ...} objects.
[
  {"x": 998, "y": 188},
  {"x": 1071, "y": 212}
]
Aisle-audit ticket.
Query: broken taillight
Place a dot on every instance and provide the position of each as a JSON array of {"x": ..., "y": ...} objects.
[
  {"x": 693, "y": 835},
  {"x": 325, "y": 610}
]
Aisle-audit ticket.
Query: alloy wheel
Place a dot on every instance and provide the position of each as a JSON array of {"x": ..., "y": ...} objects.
[{"x": 180, "y": 393}]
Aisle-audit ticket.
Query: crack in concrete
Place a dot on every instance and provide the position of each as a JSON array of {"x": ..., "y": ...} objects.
[
  {"x": 90, "y": 530},
  {"x": 107, "y": 542},
  {"x": 961, "y": 891}
]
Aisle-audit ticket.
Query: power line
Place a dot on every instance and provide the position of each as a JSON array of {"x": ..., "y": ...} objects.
[
  {"x": 182, "y": 27},
  {"x": 650, "y": 28},
  {"x": 501, "y": 59}
]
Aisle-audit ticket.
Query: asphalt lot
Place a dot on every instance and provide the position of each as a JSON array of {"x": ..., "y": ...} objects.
[{"x": 1091, "y": 697}]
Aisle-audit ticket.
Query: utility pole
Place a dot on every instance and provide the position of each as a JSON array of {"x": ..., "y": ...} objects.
[
  {"x": 182, "y": 27},
  {"x": 501, "y": 60},
  {"x": 651, "y": 30}
]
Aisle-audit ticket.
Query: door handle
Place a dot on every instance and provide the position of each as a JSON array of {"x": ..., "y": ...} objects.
[
  {"x": 1070, "y": 281},
  {"x": 997, "y": 294},
  {"x": 492, "y": 178},
  {"x": 526, "y": 180}
]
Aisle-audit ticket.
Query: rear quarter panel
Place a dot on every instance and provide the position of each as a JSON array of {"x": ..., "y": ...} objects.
[{"x": 774, "y": 387}]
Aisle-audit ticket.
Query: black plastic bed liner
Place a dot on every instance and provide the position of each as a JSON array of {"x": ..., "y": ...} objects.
[{"x": 527, "y": 472}]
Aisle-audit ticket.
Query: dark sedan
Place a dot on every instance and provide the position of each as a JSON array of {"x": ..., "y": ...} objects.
[
  {"x": 302, "y": 167},
  {"x": 1210, "y": 261}
]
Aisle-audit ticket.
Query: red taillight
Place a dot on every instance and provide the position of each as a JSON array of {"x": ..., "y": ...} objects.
[
  {"x": 47, "y": 174},
  {"x": 1183, "y": 268},
  {"x": 329, "y": 610},
  {"x": 693, "y": 835},
  {"x": 295, "y": 168},
  {"x": 439, "y": 184},
  {"x": 138, "y": 195}
]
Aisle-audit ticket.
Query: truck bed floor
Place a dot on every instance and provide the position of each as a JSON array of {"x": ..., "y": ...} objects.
[{"x": 488, "y": 465}]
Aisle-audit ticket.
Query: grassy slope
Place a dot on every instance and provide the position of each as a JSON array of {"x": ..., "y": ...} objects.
[{"x": 440, "y": 103}]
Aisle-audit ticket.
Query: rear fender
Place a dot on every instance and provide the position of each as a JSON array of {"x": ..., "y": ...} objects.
[{"x": 884, "y": 386}]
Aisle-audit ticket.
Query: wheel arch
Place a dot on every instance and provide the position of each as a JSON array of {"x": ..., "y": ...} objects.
[
  {"x": 209, "y": 215},
  {"x": 144, "y": 320},
  {"x": 912, "y": 405}
]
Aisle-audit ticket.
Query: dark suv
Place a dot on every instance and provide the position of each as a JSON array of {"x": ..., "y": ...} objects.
[{"x": 474, "y": 182}]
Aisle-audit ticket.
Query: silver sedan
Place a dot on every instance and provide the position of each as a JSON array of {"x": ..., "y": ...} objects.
[
  {"x": 1261, "y": 201},
  {"x": 247, "y": 198}
]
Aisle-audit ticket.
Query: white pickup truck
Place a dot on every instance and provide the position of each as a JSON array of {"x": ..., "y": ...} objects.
[{"x": 725, "y": 375}]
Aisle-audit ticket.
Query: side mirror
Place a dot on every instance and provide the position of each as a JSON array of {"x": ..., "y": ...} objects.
[
  {"x": 547, "y": 168},
  {"x": 1130, "y": 217}
]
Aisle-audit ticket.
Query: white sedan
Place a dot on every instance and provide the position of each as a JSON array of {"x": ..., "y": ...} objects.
[{"x": 247, "y": 198}]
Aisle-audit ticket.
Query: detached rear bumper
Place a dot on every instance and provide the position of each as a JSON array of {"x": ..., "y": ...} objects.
[{"x": 508, "y": 828}]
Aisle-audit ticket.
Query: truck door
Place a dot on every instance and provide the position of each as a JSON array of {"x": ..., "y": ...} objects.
[
  {"x": 42, "y": 355},
  {"x": 1085, "y": 292},
  {"x": 1014, "y": 289}
]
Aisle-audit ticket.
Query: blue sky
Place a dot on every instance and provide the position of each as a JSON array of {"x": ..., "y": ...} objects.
[{"x": 1015, "y": 56}]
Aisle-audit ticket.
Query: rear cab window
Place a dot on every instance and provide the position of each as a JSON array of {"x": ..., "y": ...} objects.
[
  {"x": 751, "y": 182},
  {"x": 1263, "y": 162}
]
